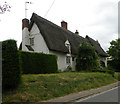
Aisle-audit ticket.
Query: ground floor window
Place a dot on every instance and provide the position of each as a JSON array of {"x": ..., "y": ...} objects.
[
  {"x": 68, "y": 59},
  {"x": 73, "y": 58},
  {"x": 102, "y": 63}
]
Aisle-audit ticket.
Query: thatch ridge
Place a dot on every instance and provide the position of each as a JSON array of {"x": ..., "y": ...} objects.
[{"x": 55, "y": 36}]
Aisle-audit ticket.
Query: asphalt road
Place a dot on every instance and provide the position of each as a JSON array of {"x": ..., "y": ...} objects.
[{"x": 107, "y": 96}]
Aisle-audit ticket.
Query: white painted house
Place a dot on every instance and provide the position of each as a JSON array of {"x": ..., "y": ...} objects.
[{"x": 41, "y": 35}]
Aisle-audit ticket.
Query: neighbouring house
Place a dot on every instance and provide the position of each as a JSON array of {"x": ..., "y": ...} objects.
[{"x": 41, "y": 35}]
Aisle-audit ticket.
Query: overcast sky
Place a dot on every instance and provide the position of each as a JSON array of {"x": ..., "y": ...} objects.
[{"x": 95, "y": 18}]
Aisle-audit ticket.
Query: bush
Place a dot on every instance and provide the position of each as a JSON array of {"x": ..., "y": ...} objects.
[
  {"x": 108, "y": 70},
  {"x": 114, "y": 64},
  {"x": 118, "y": 76},
  {"x": 38, "y": 63},
  {"x": 87, "y": 57},
  {"x": 69, "y": 68},
  {"x": 114, "y": 52},
  {"x": 11, "y": 74}
]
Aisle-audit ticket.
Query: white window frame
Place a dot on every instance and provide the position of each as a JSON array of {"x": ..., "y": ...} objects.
[
  {"x": 31, "y": 41},
  {"x": 68, "y": 59}
]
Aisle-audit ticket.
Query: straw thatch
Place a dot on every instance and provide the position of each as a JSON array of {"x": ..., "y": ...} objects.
[{"x": 56, "y": 36}]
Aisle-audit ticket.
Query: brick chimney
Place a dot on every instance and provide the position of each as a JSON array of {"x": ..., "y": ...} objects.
[
  {"x": 25, "y": 23},
  {"x": 25, "y": 34},
  {"x": 77, "y": 32},
  {"x": 64, "y": 24}
]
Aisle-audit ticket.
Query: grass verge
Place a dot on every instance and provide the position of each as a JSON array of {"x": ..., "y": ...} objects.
[{"x": 42, "y": 87}]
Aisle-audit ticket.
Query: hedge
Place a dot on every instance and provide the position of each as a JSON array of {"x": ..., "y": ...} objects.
[
  {"x": 38, "y": 63},
  {"x": 108, "y": 70},
  {"x": 114, "y": 64},
  {"x": 11, "y": 74}
]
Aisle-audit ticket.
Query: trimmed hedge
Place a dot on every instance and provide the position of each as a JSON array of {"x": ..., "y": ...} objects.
[
  {"x": 105, "y": 70},
  {"x": 115, "y": 64},
  {"x": 38, "y": 63},
  {"x": 11, "y": 74}
]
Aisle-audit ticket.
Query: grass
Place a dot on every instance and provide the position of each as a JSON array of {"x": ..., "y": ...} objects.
[
  {"x": 117, "y": 75},
  {"x": 42, "y": 87}
]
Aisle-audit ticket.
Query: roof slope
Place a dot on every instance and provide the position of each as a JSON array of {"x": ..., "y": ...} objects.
[
  {"x": 97, "y": 46},
  {"x": 56, "y": 36}
]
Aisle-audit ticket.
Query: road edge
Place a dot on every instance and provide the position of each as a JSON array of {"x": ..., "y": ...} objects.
[{"x": 82, "y": 94}]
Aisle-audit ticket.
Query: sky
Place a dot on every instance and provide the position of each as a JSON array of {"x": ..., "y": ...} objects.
[{"x": 95, "y": 18}]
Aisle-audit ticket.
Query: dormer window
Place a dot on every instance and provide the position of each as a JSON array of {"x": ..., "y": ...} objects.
[
  {"x": 67, "y": 44},
  {"x": 31, "y": 41}
]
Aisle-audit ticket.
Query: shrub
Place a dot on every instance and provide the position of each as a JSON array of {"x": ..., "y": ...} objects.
[
  {"x": 69, "y": 68},
  {"x": 118, "y": 76},
  {"x": 38, "y": 63},
  {"x": 11, "y": 74},
  {"x": 108, "y": 70},
  {"x": 114, "y": 52},
  {"x": 87, "y": 58}
]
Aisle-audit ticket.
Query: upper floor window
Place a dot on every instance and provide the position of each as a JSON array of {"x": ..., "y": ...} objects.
[
  {"x": 31, "y": 41},
  {"x": 68, "y": 59},
  {"x": 67, "y": 44}
]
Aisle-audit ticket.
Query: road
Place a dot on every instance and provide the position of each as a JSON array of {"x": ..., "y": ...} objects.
[{"x": 107, "y": 96}]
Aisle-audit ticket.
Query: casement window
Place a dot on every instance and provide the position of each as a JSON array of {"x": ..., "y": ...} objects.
[
  {"x": 68, "y": 59},
  {"x": 31, "y": 41},
  {"x": 68, "y": 46},
  {"x": 73, "y": 58}
]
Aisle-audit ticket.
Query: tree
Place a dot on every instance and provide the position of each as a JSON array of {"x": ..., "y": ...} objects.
[
  {"x": 114, "y": 52},
  {"x": 87, "y": 58}
]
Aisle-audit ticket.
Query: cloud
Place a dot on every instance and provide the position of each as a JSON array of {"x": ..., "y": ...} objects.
[
  {"x": 104, "y": 26},
  {"x": 96, "y": 18}
]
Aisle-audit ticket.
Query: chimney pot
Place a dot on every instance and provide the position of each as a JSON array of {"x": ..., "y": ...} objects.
[
  {"x": 97, "y": 41},
  {"x": 64, "y": 24},
  {"x": 25, "y": 23},
  {"x": 77, "y": 32}
]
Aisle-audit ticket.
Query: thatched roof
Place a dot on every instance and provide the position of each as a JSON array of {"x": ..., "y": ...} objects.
[
  {"x": 56, "y": 36},
  {"x": 97, "y": 46}
]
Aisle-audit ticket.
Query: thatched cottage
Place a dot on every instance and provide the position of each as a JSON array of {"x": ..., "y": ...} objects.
[{"x": 41, "y": 35}]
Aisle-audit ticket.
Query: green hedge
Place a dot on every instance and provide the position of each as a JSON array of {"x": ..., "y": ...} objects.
[
  {"x": 38, "y": 63},
  {"x": 115, "y": 64},
  {"x": 11, "y": 74},
  {"x": 105, "y": 70}
]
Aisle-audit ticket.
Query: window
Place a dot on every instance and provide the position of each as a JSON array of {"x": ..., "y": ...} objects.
[
  {"x": 68, "y": 46},
  {"x": 31, "y": 41},
  {"x": 73, "y": 58},
  {"x": 68, "y": 59}
]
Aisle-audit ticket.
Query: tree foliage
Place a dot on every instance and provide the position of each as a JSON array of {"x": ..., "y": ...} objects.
[
  {"x": 114, "y": 52},
  {"x": 87, "y": 58}
]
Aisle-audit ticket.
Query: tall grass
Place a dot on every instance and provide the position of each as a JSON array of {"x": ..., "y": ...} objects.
[{"x": 47, "y": 86}]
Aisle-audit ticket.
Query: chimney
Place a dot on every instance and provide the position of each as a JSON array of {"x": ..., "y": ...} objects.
[
  {"x": 97, "y": 41},
  {"x": 64, "y": 24},
  {"x": 25, "y": 23},
  {"x": 77, "y": 32}
]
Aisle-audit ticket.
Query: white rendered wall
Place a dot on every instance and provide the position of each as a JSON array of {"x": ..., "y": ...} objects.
[
  {"x": 61, "y": 60},
  {"x": 104, "y": 59},
  {"x": 25, "y": 39},
  {"x": 41, "y": 46},
  {"x": 39, "y": 42},
  {"x": 74, "y": 64}
]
